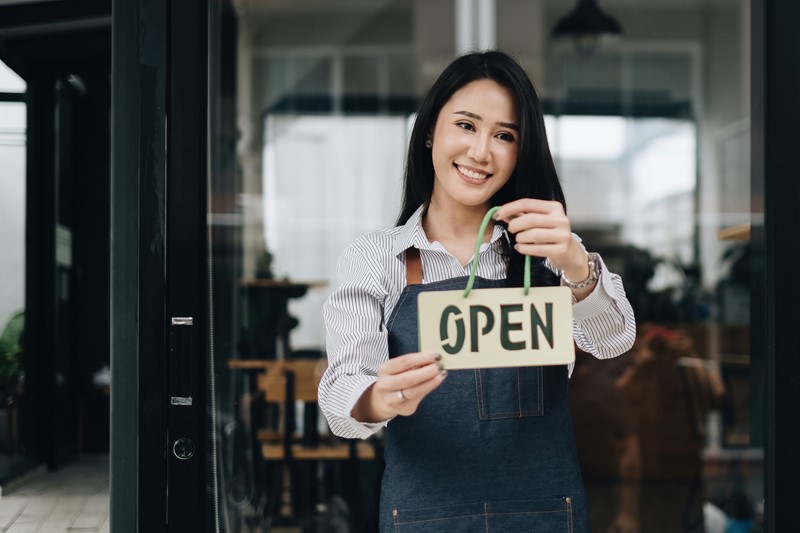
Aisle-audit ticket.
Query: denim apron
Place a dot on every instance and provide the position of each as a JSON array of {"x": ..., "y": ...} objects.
[{"x": 490, "y": 450}]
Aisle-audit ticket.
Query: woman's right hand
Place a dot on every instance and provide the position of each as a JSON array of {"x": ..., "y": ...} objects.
[{"x": 402, "y": 383}]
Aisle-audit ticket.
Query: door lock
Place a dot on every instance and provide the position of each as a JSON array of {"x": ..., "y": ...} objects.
[{"x": 183, "y": 448}]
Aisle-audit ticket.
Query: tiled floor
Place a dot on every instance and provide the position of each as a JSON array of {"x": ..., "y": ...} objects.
[{"x": 73, "y": 499}]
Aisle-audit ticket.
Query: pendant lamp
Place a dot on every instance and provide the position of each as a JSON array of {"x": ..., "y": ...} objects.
[{"x": 585, "y": 24}]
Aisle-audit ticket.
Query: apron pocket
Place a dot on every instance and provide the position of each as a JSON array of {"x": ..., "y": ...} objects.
[
  {"x": 532, "y": 516},
  {"x": 459, "y": 518},
  {"x": 509, "y": 392}
]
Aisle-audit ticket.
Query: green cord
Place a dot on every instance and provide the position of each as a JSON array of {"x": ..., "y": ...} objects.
[
  {"x": 527, "y": 276},
  {"x": 474, "y": 267}
]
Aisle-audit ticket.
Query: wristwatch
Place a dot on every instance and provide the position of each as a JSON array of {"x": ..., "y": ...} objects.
[{"x": 594, "y": 274}]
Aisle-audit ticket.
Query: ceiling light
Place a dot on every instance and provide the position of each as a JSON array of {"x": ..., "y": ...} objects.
[{"x": 585, "y": 24}]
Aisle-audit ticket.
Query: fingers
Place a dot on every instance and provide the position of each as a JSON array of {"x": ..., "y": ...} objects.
[
  {"x": 526, "y": 221},
  {"x": 543, "y": 238},
  {"x": 408, "y": 371},
  {"x": 407, "y": 403},
  {"x": 557, "y": 236},
  {"x": 558, "y": 224},
  {"x": 410, "y": 379},
  {"x": 528, "y": 213},
  {"x": 405, "y": 380},
  {"x": 408, "y": 361},
  {"x": 412, "y": 396},
  {"x": 551, "y": 251},
  {"x": 512, "y": 210},
  {"x": 564, "y": 254},
  {"x": 540, "y": 228}
]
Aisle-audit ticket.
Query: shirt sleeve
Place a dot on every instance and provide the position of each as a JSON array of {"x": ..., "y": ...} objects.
[
  {"x": 603, "y": 322},
  {"x": 356, "y": 341}
]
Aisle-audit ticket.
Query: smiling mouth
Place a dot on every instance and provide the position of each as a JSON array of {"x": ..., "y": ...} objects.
[{"x": 472, "y": 174}]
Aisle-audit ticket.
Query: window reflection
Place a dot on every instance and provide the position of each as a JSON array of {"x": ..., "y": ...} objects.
[
  {"x": 355, "y": 174},
  {"x": 653, "y": 152}
]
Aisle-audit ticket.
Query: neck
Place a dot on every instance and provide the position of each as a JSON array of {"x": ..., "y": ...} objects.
[{"x": 448, "y": 225}]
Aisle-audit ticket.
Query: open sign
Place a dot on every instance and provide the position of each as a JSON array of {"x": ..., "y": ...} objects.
[{"x": 497, "y": 327}]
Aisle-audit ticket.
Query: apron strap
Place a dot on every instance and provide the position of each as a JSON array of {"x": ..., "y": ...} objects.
[{"x": 413, "y": 267}]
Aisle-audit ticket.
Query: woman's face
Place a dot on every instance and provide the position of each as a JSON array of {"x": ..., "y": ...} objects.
[{"x": 475, "y": 145}]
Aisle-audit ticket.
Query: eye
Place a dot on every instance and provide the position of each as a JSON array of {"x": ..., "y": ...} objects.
[
  {"x": 465, "y": 126},
  {"x": 505, "y": 136}
]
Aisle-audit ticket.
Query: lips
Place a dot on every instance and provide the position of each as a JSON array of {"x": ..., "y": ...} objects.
[{"x": 471, "y": 173}]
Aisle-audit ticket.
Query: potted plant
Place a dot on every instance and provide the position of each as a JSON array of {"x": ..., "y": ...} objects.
[{"x": 11, "y": 356}]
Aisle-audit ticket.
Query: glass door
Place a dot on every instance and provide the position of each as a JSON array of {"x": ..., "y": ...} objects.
[{"x": 311, "y": 104}]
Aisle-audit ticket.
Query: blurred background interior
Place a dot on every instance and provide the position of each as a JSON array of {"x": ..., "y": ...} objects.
[{"x": 647, "y": 110}]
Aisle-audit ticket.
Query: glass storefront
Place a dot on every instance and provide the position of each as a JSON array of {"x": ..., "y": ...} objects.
[
  {"x": 651, "y": 137},
  {"x": 12, "y": 261}
]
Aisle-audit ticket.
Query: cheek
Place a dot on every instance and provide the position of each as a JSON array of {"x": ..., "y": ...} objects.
[
  {"x": 445, "y": 149},
  {"x": 447, "y": 142},
  {"x": 510, "y": 159},
  {"x": 441, "y": 161}
]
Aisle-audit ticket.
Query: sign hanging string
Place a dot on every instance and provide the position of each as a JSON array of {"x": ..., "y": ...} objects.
[{"x": 474, "y": 267}]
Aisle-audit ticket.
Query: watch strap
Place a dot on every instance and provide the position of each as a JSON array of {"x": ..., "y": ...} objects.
[{"x": 594, "y": 274}]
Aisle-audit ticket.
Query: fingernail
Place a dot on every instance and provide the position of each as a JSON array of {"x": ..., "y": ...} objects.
[
  {"x": 440, "y": 367},
  {"x": 437, "y": 356},
  {"x": 443, "y": 373},
  {"x": 496, "y": 215}
]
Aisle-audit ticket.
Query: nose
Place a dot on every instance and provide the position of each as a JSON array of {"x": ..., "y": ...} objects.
[{"x": 480, "y": 148}]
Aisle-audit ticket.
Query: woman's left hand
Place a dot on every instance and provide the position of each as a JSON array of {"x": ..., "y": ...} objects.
[{"x": 542, "y": 229}]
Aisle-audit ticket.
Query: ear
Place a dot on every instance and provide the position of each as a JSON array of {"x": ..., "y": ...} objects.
[{"x": 429, "y": 139}]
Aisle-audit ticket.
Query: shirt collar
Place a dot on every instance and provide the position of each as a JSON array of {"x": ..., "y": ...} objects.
[{"x": 413, "y": 234}]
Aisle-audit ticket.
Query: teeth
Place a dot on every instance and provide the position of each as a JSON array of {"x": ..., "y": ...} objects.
[{"x": 471, "y": 174}]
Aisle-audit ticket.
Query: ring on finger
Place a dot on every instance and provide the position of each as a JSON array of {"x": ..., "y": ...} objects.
[{"x": 401, "y": 396}]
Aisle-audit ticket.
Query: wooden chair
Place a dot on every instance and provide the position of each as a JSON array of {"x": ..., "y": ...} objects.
[{"x": 286, "y": 385}]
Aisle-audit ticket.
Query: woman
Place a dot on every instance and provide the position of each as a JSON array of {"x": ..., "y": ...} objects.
[{"x": 468, "y": 450}]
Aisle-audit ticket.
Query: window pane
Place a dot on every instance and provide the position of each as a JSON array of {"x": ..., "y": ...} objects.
[{"x": 650, "y": 136}]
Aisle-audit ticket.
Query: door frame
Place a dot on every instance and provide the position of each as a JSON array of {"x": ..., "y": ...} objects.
[
  {"x": 775, "y": 194},
  {"x": 158, "y": 264}
]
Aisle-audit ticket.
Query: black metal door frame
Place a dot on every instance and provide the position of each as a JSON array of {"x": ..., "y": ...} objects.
[
  {"x": 775, "y": 167},
  {"x": 187, "y": 174},
  {"x": 158, "y": 265}
]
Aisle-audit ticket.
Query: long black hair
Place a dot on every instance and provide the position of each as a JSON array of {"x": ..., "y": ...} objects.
[{"x": 535, "y": 175}]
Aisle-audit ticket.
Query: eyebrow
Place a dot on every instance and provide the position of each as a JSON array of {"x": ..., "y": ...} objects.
[{"x": 470, "y": 114}]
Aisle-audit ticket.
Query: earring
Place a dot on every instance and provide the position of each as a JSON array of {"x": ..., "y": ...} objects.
[{"x": 428, "y": 143}]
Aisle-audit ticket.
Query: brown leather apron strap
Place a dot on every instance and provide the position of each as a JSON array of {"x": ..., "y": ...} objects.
[{"x": 413, "y": 267}]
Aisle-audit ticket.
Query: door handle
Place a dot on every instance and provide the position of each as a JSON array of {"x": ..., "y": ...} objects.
[{"x": 181, "y": 351}]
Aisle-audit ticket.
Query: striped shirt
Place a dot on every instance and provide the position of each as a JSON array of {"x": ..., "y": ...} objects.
[{"x": 371, "y": 275}]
